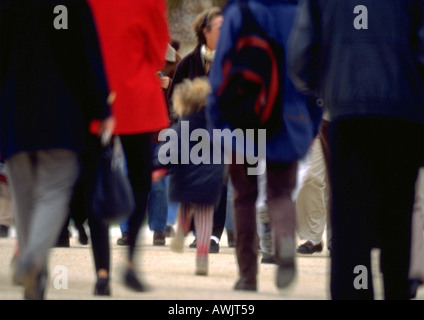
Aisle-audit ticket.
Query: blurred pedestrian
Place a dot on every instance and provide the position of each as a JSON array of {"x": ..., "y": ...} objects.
[
  {"x": 376, "y": 108},
  {"x": 134, "y": 37},
  {"x": 198, "y": 63},
  {"x": 52, "y": 85},
  {"x": 313, "y": 198},
  {"x": 273, "y": 18},
  {"x": 195, "y": 186}
]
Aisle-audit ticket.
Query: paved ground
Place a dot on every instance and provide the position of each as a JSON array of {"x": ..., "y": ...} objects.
[{"x": 170, "y": 275}]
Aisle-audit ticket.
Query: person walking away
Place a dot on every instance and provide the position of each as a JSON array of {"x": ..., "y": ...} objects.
[
  {"x": 376, "y": 108},
  {"x": 195, "y": 186},
  {"x": 274, "y": 19},
  {"x": 52, "y": 85},
  {"x": 134, "y": 37}
]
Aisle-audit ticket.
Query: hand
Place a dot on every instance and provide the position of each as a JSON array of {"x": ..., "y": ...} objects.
[
  {"x": 106, "y": 126},
  {"x": 165, "y": 82}
]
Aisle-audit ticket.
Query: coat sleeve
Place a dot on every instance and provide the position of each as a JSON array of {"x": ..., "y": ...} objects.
[
  {"x": 304, "y": 49},
  {"x": 94, "y": 85},
  {"x": 156, "y": 32}
]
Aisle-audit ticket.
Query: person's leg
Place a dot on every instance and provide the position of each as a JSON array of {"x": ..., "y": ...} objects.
[
  {"x": 356, "y": 196},
  {"x": 54, "y": 173},
  {"x": 184, "y": 217},
  {"x": 6, "y": 212},
  {"x": 138, "y": 155},
  {"x": 245, "y": 192},
  {"x": 229, "y": 218},
  {"x": 281, "y": 182},
  {"x": 22, "y": 185},
  {"x": 219, "y": 217},
  {"x": 404, "y": 148},
  {"x": 157, "y": 208},
  {"x": 311, "y": 202},
  {"x": 416, "y": 269},
  {"x": 203, "y": 221}
]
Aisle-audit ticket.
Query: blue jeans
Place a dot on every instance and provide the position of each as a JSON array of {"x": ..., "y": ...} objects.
[{"x": 157, "y": 205}]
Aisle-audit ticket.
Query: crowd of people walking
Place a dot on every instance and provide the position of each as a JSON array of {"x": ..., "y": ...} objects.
[{"x": 333, "y": 82}]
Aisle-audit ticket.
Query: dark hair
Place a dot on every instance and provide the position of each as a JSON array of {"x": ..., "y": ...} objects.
[
  {"x": 175, "y": 44},
  {"x": 204, "y": 21}
]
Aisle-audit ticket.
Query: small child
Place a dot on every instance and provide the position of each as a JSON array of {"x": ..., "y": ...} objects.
[{"x": 195, "y": 186}]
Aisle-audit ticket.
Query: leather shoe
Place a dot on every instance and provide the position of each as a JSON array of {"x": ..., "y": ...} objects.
[
  {"x": 309, "y": 248},
  {"x": 131, "y": 281},
  {"x": 123, "y": 241},
  {"x": 243, "y": 284},
  {"x": 159, "y": 238},
  {"x": 102, "y": 287}
]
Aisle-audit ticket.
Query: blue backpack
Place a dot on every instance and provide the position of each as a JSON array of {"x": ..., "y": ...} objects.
[{"x": 250, "y": 96}]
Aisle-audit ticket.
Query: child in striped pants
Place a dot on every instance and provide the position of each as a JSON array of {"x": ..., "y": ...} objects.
[{"x": 195, "y": 184}]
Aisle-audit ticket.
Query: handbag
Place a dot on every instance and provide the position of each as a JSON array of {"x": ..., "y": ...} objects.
[{"x": 113, "y": 198}]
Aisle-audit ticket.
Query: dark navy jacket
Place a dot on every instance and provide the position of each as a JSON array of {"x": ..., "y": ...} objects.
[
  {"x": 371, "y": 72},
  {"x": 52, "y": 82},
  {"x": 193, "y": 183}
]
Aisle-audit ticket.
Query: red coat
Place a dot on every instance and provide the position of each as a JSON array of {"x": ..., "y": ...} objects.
[{"x": 134, "y": 37}]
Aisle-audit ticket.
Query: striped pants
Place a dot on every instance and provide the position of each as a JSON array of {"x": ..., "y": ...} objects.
[{"x": 203, "y": 223}]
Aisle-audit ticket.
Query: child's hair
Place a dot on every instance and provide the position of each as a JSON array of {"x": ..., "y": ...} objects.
[{"x": 190, "y": 96}]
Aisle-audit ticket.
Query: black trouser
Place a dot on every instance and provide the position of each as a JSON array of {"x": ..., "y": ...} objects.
[
  {"x": 374, "y": 166},
  {"x": 138, "y": 155}
]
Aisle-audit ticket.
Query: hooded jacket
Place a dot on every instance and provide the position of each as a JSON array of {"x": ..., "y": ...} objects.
[
  {"x": 371, "y": 68},
  {"x": 194, "y": 177}
]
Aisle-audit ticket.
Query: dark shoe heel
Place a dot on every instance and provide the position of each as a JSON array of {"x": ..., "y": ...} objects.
[{"x": 102, "y": 287}]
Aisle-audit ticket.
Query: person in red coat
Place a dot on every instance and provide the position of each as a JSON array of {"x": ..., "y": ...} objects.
[{"x": 134, "y": 36}]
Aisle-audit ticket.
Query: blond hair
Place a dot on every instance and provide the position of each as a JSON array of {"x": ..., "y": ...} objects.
[{"x": 191, "y": 96}]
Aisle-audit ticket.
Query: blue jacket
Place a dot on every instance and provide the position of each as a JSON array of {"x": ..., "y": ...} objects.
[
  {"x": 52, "y": 82},
  {"x": 190, "y": 182},
  {"x": 372, "y": 70},
  {"x": 276, "y": 17}
]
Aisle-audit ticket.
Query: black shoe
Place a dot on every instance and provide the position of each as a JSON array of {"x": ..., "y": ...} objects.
[
  {"x": 123, "y": 241},
  {"x": 102, "y": 287},
  {"x": 159, "y": 238},
  {"x": 214, "y": 247},
  {"x": 4, "y": 231},
  {"x": 243, "y": 284},
  {"x": 63, "y": 241},
  {"x": 193, "y": 245},
  {"x": 82, "y": 235},
  {"x": 268, "y": 260},
  {"x": 309, "y": 248},
  {"x": 131, "y": 281}
]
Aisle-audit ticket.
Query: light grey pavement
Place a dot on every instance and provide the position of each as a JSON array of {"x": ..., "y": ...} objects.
[{"x": 171, "y": 275}]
